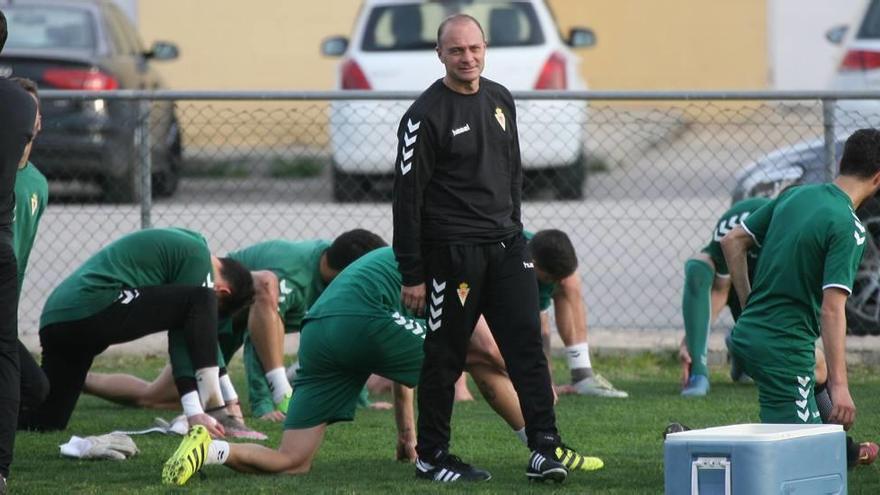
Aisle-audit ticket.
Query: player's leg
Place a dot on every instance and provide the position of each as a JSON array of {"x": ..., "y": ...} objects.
[
  {"x": 196, "y": 450},
  {"x": 696, "y": 309},
  {"x": 126, "y": 389},
  {"x": 453, "y": 285},
  {"x": 9, "y": 365},
  {"x": 510, "y": 305}
]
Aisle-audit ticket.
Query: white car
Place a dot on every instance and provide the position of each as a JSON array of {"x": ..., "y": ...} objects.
[
  {"x": 392, "y": 49},
  {"x": 859, "y": 68}
]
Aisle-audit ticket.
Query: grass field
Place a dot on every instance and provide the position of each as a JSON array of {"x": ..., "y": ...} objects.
[{"x": 358, "y": 457}]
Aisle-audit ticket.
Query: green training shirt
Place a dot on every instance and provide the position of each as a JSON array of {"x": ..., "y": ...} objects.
[
  {"x": 545, "y": 290},
  {"x": 149, "y": 257},
  {"x": 810, "y": 240},
  {"x": 730, "y": 219},
  {"x": 370, "y": 286},
  {"x": 31, "y": 195}
]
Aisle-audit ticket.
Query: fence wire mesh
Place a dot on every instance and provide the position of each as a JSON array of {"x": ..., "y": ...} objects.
[{"x": 636, "y": 184}]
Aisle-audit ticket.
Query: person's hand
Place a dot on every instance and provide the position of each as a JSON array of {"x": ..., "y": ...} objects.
[
  {"x": 406, "y": 449},
  {"x": 413, "y": 298},
  {"x": 843, "y": 412},
  {"x": 233, "y": 408},
  {"x": 273, "y": 416},
  {"x": 555, "y": 395},
  {"x": 214, "y": 428},
  {"x": 685, "y": 358}
]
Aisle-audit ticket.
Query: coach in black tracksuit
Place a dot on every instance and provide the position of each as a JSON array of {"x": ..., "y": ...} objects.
[
  {"x": 460, "y": 248},
  {"x": 18, "y": 112}
]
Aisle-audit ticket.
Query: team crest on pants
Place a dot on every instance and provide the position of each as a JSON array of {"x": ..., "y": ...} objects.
[{"x": 463, "y": 290}]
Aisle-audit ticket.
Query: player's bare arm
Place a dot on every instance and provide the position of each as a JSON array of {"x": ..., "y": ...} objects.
[
  {"x": 406, "y": 423},
  {"x": 570, "y": 310},
  {"x": 735, "y": 245},
  {"x": 833, "y": 321}
]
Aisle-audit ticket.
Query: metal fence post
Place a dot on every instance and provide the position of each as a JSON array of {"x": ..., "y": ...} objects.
[
  {"x": 828, "y": 128},
  {"x": 145, "y": 162}
]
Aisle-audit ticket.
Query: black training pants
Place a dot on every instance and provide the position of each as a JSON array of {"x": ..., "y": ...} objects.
[
  {"x": 9, "y": 364},
  {"x": 498, "y": 281},
  {"x": 69, "y": 347}
]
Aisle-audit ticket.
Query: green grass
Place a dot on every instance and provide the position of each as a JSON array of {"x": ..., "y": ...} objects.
[
  {"x": 296, "y": 168},
  {"x": 358, "y": 457}
]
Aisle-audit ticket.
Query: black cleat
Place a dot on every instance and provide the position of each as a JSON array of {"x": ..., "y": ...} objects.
[
  {"x": 448, "y": 468},
  {"x": 544, "y": 466}
]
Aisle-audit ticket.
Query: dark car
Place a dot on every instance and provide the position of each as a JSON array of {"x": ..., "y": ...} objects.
[
  {"x": 92, "y": 45},
  {"x": 806, "y": 163}
]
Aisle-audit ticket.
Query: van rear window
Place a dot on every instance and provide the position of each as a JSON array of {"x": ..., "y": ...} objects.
[{"x": 410, "y": 27}]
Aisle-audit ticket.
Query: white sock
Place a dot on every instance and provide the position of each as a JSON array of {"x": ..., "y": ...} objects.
[
  {"x": 521, "y": 434},
  {"x": 208, "y": 381},
  {"x": 578, "y": 356},
  {"x": 218, "y": 452},
  {"x": 278, "y": 384}
]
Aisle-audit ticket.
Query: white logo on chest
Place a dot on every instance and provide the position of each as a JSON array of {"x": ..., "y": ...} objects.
[{"x": 461, "y": 130}]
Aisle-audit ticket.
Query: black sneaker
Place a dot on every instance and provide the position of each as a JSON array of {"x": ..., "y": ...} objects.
[
  {"x": 545, "y": 466},
  {"x": 448, "y": 468}
]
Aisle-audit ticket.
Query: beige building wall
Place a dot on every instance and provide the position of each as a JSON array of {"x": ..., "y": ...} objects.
[{"x": 671, "y": 44}]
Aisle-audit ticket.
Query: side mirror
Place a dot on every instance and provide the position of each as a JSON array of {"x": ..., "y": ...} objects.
[
  {"x": 334, "y": 46},
  {"x": 579, "y": 37},
  {"x": 163, "y": 50},
  {"x": 836, "y": 34}
]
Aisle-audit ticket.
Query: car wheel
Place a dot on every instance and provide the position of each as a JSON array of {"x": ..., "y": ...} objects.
[
  {"x": 121, "y": 189},
  {"x": 863, "y": 305},
  {"x": 165, "y": 181},
  {"x": 568, "y": 181}
]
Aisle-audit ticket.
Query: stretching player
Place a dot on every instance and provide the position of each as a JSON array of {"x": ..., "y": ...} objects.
[
  {"x": 812, "y": 244},
  {"x": 357, "y": 327},
  {"x": 288, "y": 278},
  {"x": 143, "y": 283},
  {"x": 706, "y": 292}
]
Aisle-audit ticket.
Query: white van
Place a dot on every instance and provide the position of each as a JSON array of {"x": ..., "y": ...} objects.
[{"x": 392, "y": 49}]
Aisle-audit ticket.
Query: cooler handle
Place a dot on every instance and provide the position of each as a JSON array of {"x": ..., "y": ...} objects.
[{"x": 709, "y": 463}]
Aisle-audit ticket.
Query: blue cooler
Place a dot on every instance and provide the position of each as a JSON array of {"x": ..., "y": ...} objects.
[{"x": 756, "y": 459}]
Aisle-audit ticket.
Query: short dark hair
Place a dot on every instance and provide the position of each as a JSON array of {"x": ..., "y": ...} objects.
[
  {"x": 553, "y": 253},
  {"x": 456, "y": 18},
  {"x": 861, "y": 154},
  {"x": 241, "y": 287},
  {"x": 4, "y": 31},
  {"x": 350, "y": 246},
  {"x": 27, "y": 85}
]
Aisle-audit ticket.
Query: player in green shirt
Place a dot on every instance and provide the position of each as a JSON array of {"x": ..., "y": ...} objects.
[
  {"x": 142, "y": 283},
  {"x": 288, "y": 278},
  {"x": 811, "y": 245},
  {"x": 706, "y": 292},
  {"x": 357, "y": 327}
]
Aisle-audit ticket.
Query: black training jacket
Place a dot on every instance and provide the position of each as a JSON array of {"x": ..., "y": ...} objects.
[
  {"x": 458, "y": 174},
  {"x": 17, "y": 116}
]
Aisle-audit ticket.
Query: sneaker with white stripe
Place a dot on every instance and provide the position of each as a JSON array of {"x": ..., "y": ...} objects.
[
  {"x": 448, "y": 468},
  {"x": 544, "y": 466}
]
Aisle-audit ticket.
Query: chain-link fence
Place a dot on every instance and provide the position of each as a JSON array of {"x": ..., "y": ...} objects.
[{"x": 636, "y": 180}]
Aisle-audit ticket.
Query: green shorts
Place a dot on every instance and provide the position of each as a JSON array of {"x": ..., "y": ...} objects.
[
  {"x": 336, "y": 356},
  {"x": 785, "y": 383}
]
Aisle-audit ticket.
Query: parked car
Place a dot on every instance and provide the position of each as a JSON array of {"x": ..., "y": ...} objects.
[
  {"x": 859, "y": 68},
  {"x": 806, "y": 163},
  {"x": 91, "y": 45},
  {"x": 392, "y": 48}
]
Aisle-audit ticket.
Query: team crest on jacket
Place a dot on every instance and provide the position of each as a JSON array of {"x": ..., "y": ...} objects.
[
  {"x": 499, "y": 116},
  {"x": 34, "y": 204},
  {"x": 463, "y": 290}
]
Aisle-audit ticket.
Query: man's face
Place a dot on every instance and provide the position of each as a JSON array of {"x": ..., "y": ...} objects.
[
  {"x": 38, "y": 126},
  {"x": 462, "y": 50}
]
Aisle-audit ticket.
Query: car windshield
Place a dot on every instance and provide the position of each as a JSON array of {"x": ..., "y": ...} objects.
[
  {"x": 50, "y": 27},
  {"x": 414, "y": 26},
  {"x": 870, "y": 28}
]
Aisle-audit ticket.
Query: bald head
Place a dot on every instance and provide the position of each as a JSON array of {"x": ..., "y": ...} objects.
[{"x": 457, "y": 19}]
